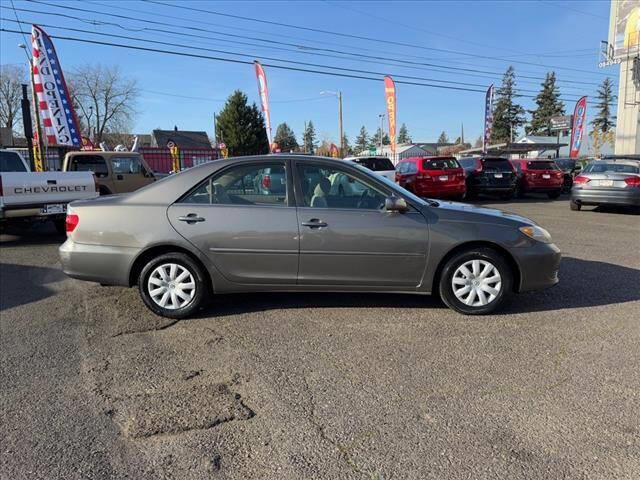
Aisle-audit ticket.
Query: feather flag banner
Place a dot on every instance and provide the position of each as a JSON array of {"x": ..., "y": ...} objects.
[{"x": 54, "y": 102}]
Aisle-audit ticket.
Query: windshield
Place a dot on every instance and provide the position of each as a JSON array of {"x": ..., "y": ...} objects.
[
  {"x": 565, "y": 163},
  {"x": 542, "y": 166},
  {"x": 11, "y": 162},
  {"x": 611, "y": 168},
  {"x": 439, "y": 163},
  {"x": 395, "y": 187}
]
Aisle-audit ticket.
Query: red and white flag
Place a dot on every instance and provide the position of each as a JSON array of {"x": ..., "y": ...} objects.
[
  {"x": 577, "y": 130},
  {"x": 263, "y": 91},
  {"x": 488, "y": 119},
  {"x": 390, "y": 100},
  {"x": 59, "y": 119}
]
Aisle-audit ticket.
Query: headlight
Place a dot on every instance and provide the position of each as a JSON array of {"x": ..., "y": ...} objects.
[{"x": 537, "y": 233}]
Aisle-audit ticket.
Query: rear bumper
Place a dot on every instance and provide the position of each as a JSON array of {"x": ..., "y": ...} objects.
[
  {"x": 97, "y": 263},
  {"x": 539, "y": 266},
  {"x": 443, "y": 191},
  {"x": 628, "y": 197},
  {"x": 542, "y": 188}
]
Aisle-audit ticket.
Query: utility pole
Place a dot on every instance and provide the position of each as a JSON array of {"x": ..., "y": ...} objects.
[
  {"x": 340, "y": 123},
  {"x": 381, "y": 130},
  {"x": 215, "y": 135}
]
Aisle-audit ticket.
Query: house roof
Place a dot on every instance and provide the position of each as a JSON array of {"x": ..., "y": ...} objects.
[{"x": 182, "y": 138}]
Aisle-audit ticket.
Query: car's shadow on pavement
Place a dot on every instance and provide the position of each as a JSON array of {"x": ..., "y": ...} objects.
[
  {"x": 43, "y": 234},
  {"x": 240, "y": 303},
  {"x": 22, "y": 284},
  {"x": 583, "y": 283}
]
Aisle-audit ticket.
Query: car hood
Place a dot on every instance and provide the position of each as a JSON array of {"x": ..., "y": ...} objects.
[{"x": 472, "y": 213}]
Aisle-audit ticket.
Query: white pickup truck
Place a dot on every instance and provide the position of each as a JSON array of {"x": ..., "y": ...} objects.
[{"x": 29, "y": 197}]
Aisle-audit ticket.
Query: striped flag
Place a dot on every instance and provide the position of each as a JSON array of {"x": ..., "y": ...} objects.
[
  {"x": 54, "y": 102},
  {"x": 263, "y": 91},
  {"x": 488, "y": 119}
]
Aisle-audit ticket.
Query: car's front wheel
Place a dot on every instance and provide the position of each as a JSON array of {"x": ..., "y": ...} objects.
[
  {"x": 476, "y": 281},
  {"x": 575, "y": 206},
  {"x": 172, "y": 285}
]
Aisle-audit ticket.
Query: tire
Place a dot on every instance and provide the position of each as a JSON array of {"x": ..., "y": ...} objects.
[
  {"x": 519, "y": 192},
  {"x": 103, "y": 191},
  {"x": 61, "y": 226},
  {"x": 151, "y": 275},
  {"x": 575, "y": 206},
  {"x": 454, "y": 268},
  {"x": 554, "y": 195}
]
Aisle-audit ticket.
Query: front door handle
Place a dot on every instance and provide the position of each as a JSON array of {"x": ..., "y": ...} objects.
[
  {"x": 314, "y": 223},
  {"x": 119, "y": 177},
  {"x": 191, "y": 218}
]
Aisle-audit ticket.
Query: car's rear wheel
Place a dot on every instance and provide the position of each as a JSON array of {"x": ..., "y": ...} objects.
[
  {"x": 172, "y": 285},
  {"x": 575, "y": 206},
  {"x": 476, "y": 281}
]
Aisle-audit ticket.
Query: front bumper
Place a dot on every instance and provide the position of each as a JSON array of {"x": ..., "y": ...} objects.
[
  {"x": 539, "y": 266},
  {"x": 593, "y": 196},
  {"x": 97, "y": 263}
]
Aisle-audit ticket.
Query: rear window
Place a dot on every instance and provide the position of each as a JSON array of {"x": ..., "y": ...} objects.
[
  {"x": 542, "y": 166},
  {"x": 611, "y": 168},
  {"x": 497, "y": 165},
  {"x": 11, "y": 162},
  {"x": 440, "y": 163},
  {"x": 375, "y": 164},
  {"x": 89, "y": 163}
]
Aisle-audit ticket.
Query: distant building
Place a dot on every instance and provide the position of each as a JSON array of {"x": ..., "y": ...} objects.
[
  {"x": 585, "y": 150},
  {"x": 182, "y": 138},
  {"x": 402, "y": 151},
  {"x": 432, "y": 148}
]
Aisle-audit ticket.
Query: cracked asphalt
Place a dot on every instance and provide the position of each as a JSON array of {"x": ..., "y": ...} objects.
[{"x": 327, "y": 386}]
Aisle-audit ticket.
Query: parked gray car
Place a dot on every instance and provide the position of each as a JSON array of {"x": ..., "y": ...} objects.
[
  {"x": 613, "y": 181},
  {"x": 199, "y": 233}
]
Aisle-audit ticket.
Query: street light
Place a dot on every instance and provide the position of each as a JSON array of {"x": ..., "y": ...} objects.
[
  {"x": 381, "y": 116},
  {"x": 338, "y": 95}
]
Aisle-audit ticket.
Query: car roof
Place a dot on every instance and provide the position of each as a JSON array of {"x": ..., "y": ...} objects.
[
  {"x": 108, "y": 153},
  {"x": 627, "y": 161}
]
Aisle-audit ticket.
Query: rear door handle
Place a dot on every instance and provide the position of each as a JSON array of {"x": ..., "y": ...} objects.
[
  {"x": 314, "y": 223},
  {"x": 119, "y": 177},
  {"x": 191, "y": 218}
]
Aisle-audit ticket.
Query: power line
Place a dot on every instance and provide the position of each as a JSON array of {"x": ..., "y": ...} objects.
[
  {"x": 306, "y": 64},
  {"x": 244, "y": 62},
  {"x": 301, "y": 49},
  {"x": 359, "y": 37}
]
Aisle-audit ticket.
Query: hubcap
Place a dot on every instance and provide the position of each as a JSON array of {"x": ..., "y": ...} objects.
[
  {"x": 171, "y": 286},
  {"x": 476, "y": 283}
]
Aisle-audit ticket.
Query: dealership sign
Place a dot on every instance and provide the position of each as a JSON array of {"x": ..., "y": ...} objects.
[{"x": 560, "y": 122}]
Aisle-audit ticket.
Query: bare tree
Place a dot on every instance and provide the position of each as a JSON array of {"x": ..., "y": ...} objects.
[
  {"x": 104, "y": 99},
  {"x": 11, "y": 79}
]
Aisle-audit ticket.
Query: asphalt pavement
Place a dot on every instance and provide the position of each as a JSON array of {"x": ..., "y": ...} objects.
[{"x": 327, "y": 386}]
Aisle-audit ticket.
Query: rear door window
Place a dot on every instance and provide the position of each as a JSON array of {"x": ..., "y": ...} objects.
[
  {"x": 11, "y": 162},
  {"x": 440, "y": 163},
  {"x": 382, "y": 164}
]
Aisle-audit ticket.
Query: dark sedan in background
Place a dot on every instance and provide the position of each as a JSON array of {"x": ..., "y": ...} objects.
[
  {"x": 206, "y": 231},
  {"x": 614, "y": 181}
]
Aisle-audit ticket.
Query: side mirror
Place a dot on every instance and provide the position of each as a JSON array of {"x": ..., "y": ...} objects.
[{"x": 395, "y": 204}]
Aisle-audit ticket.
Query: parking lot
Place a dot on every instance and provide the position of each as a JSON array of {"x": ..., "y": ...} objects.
[{"x": 279, "y": 386}]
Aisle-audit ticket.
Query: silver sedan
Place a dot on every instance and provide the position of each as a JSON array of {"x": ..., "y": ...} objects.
[
  {"x": 614, "y": 181},
  {"x": 227, "y": 226}
]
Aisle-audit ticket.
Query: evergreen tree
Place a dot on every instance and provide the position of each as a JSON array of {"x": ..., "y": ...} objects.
[
  {"x": 346, "y": 146},
  {"x": 285, "y": 138},
  {"x": 362, "y": 140},
  {"x": 403, "y": 134},
  {"x": 548, "y": 105},
  {"x": 443, "y": 138},
  {"x": 241, "y": 127},
  {"x": 508, "y": 116},
  {"x": 604, "y": 121},
  {"x": 375, "y": 141},
  {"x": 309, "y": 138}
]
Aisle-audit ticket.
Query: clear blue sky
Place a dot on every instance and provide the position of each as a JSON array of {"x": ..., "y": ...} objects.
[{"x": 554, "y": 33}]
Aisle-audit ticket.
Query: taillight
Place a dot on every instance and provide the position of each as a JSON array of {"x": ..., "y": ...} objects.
[
  {"x": 632, "y": 181},
  {"x": 266, "y": 181},
  {"x": 71, "y": 222},
  {"x": 580, "y": 180},
  {"x": 397, "y": 177}
]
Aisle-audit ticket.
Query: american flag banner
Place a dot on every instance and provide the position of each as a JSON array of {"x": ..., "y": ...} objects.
[
  {"x": 488, "y": 119},
  {"x": 54, "y": 102}
]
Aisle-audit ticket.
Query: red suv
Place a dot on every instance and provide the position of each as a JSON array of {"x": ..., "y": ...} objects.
[
  {"x": 538, "y": 176},
  {"x": 435, "y": 177}
]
